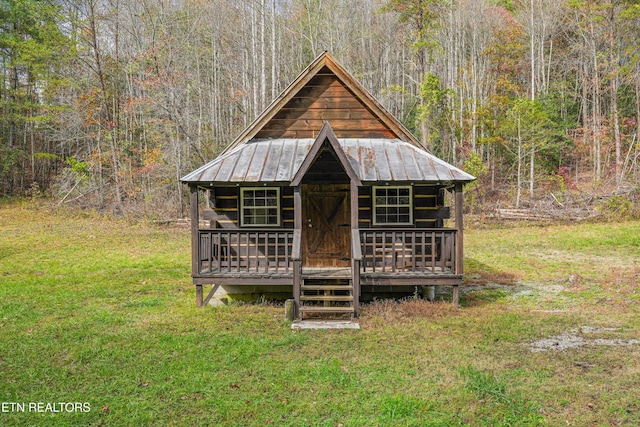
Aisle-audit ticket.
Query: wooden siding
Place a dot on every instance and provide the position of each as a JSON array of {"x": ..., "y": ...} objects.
[
  {"x": 226, "y": 207},
  {"x": 428, "y": 209},
  {"x": 325, "y": 98}
]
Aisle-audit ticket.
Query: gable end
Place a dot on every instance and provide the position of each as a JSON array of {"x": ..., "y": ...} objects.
[{"x": 325, "y": 98}]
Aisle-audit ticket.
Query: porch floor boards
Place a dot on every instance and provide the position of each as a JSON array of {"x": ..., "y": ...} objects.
[
  {"x": 307, "y": 273},
  {"x": 243, "y": 274},
  {"x": 325, "y": 273}
]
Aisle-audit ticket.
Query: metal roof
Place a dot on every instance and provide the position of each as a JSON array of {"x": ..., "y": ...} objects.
[{"x": 374, "y": 160}]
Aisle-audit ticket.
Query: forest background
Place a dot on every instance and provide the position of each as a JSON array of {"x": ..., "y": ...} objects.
[{"x": 107, "y": 103}]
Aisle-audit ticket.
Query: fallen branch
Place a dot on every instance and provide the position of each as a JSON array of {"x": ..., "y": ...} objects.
[{"x": 80, "y": 196}]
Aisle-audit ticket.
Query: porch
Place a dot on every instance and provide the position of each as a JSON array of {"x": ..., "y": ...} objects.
[{"x": 389, "y": 256}]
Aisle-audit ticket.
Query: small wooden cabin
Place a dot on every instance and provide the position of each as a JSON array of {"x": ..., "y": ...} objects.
[{"x": 327, "y": 193}]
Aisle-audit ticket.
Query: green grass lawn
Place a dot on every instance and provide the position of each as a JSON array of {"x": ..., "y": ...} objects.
[{"x": 102, "y": 312}]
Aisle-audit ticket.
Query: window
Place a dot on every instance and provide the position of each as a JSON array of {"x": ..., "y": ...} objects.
[
  {"x": 260, "y": 206},
  {"x": 392, "y": 206}
]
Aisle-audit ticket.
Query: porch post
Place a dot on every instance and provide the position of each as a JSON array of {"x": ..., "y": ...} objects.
[
  {"x": 355, "y": 263},
  {"x": 195, "y": 219},
  {"x": 459, "y": 238},
  {"x": 297, "y": 261}
]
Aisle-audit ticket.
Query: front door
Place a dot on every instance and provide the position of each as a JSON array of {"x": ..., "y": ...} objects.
[{"x": 326, "y": 225}]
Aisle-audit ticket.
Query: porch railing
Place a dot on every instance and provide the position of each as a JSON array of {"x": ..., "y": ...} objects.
[
  {"x": 408, "y": 250},
  {"x": 274, "y": 251},
  {"x": 245, "y": 251}
]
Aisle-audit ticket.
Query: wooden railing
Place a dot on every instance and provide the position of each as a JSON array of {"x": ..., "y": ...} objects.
[
  {"x": 373, "y": 250},
  {"x": 356, "y": 264},
  {"x": 296, "y": 250},
  {"x": 408, "y": 250},
  {"x": 245, "y": 251}
]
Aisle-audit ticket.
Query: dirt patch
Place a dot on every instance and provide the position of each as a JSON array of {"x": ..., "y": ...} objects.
[
  {"x": 516, "y": 294},
  {"x": 579, "y": 337},
  {"x": 394, "y": 311}
]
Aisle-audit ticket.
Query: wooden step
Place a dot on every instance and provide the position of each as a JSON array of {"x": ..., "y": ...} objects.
[
  {"x": 323, "y": 277},
  {"x": 326, "y": 298},
  {"x": 326, "y": 287},
  {"x": 318, "y": 309}
]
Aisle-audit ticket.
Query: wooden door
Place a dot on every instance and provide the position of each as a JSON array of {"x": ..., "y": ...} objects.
[{"x": 326, "y": 225}]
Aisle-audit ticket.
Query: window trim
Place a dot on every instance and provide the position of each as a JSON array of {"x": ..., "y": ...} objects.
[
  {"x": 277, "y": 206},
  {"x": 374, "y": 205}
]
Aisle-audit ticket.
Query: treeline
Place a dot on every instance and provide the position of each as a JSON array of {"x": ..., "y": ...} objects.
[{"x": 109, "y": 102}]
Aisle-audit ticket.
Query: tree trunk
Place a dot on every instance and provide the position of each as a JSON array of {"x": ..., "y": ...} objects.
[
  {"x": 616, "y": 129},
  {"x": 274, "y": 60},
  {"x": 519, "y": 173},
  {"x": 595, "y": 116},
  {"x": 613, "y": 63},
  {"x": 108, "y": 113},
  {"x": 637, "y": 92},
  {"x": 263, "y": 57},
  {"x": 531, "y": 171},
  {"x": 532, "y": 54}
]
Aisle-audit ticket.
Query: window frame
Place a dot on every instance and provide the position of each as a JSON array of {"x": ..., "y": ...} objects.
[
  {"x": 243, "y": 190},
  {"x": 375, "y": 205}
]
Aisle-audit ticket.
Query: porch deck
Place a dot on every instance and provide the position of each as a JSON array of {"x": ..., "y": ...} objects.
[
  {"x": 381, "y": 256},
  {"x": 324, "y": 273},
  {"x": 272, "y": 272}
]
